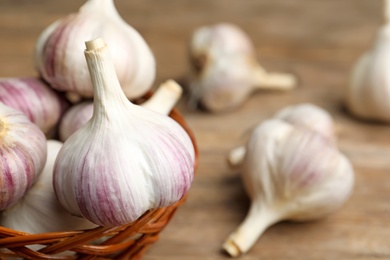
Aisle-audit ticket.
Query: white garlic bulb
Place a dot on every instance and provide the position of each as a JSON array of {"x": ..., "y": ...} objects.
[
  {"x": 22, "y": 155},
  {"x": 59, "y": 51},
  {"x": 39, "y": 210},
  {"x": 304, "y": 115},
  {"x": 126, "y": 159},
  {"x": 162, "y": 101},
  {"x": 227, "y": 71},
  {"x": 41, "y": 104},
  {"x": 367, "y": 94},
  {"x": 290, "y": 173}
]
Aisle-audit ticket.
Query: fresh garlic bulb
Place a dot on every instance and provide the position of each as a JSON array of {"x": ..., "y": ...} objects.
[
  {"x": 22, "y": 155},
  {"x": 305, "y": 115},
  {"x": 59, "y": 50},
  {"x": 227, "y": 71},
  {"x": 42, "y": 105},
  {"x": 162, "y": 101},
  {"x": 290, "y": 173},
  {"x": 126, "y": 159},
  {"x": 367, "y": 94},
  {"x": 39, "y": 210}
]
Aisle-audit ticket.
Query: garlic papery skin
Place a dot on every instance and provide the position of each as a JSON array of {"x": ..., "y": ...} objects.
[
  {"x": 306, "y": 115},
  {"x": 39, "y": 210},
  {"x": 368, "y": 92},
  {"x": 59, "y": 51},
  {"x": 162, "y": 101},
  {"x": 22, "y": 155},
  {"x": 290, "y": 173},
  {"x": 41, "y": 104},
  {"x": 226, "y": 69},
  {"x": 126, "y": 160}
]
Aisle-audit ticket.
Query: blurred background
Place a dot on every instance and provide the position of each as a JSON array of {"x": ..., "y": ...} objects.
[{"x": 319, "y": 41}]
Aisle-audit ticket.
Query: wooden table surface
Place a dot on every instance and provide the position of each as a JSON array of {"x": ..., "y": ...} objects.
[{"x": 319, "y": 40}]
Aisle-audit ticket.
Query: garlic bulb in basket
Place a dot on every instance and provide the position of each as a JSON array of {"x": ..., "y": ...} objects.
[
  {"x": 41, "y": 104},
  {"x": 22, "y": 155},
  {"x": 367, "y": 94},
  {"x": 290, "y": 173},
  {"x": 226, "y": 68},
  {"x": 59, "y": 51},
  {"x": 39, "y": 210},
  {"x": 126, "y": 159},
  {"x": 162, "y": 101}
]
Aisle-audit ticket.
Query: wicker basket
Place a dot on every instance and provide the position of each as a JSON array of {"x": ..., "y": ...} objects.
[{"x": 124, "y": 242}]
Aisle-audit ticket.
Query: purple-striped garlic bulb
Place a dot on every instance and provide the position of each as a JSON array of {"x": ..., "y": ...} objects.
[
  {"x": 39, "y": 210},
  {"x": 162, "y": 101},
  {"x": 226, "y": 68},
  {"x": 290, "y": 173},
  {"x": 22, "y": 155},
  {"x": 126, "y": 160},
  {"x": 41, "y": 104},
  {"x": 304, "y": 115},
  {"x": 59, "y": 51}
]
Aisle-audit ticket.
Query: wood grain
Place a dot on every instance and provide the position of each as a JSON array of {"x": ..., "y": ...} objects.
[{"x": 319, "y": 40}]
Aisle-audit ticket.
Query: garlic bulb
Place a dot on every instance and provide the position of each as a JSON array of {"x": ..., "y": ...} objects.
[
  {"x": 42, "y": 105},
  {"x": 367, "y": 94},
  {"x": 22, "y": 155},
  {"x": 290, "y": 173},
  {"x": 305, "y": 115},
  {"x": 59, "y": 49},
  {"x": 78, "y": 115},
  {"x": 227, "y": 71},
  {"x": 126, "y": 159},
  {"x": 39, "y": 210}
]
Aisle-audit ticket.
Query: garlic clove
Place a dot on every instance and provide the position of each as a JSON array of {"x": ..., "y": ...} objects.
[
  {"x": 126, "y": 159},
  {"x": 23, "y": 155},
  {"x": 162, "y": 101},
  {"x": 290, "y": 173},
  {"x": 226, "y": 69},
  {"x": 42, "y": 105},
  {"x": 39, "y": 210},
  {"x": 59, "y": 59},
  {"x": 367, "y": 93}
]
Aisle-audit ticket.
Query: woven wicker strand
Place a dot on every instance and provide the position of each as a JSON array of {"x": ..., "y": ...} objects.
[{"x": 124, "y": 242}]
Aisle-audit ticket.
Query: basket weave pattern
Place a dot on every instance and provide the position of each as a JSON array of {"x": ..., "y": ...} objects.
[{"x": 124, "y": 242}]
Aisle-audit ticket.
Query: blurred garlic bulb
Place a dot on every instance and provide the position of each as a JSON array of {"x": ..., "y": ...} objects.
[
  {"x": 22, "y": 155},
  {"x": 290, "y": 173},
  {"x": 226, "y": 68},
  {"x": 41, "y": 104},
  {"x": 307, "y": 116},
  {"x": 368, "y": 93},
  {"x": 162, "y": 101},
  {"x": 59, "y": 51},
  {"x": 126, "y": 160},
  {"x": 39, "y": 210}
]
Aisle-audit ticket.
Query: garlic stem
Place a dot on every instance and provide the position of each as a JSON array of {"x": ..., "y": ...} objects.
[
  {"x": 259, "y": 218},
  {"x": 273, "y": 80},
  {"x": 165, "y": 98},
  {"x": 236, "y": 156},
  {"x": 104, "y": 78}
]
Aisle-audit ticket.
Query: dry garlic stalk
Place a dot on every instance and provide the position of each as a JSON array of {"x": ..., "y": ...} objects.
[
  {"x": 307, "y": 116},
  {"x": 126, "y": 160},
  {"x": 227, "y": 71},
  {"x": 367, "y": 94},
  {"x": 39, "y": 210},
  {"x": 41, "y": 104},
  {"x": 22, "y": 157},
  {"x": 162, "y": 101},
  {"x": 59, "y": 49},
  {"x": 290, "y": 173}
]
